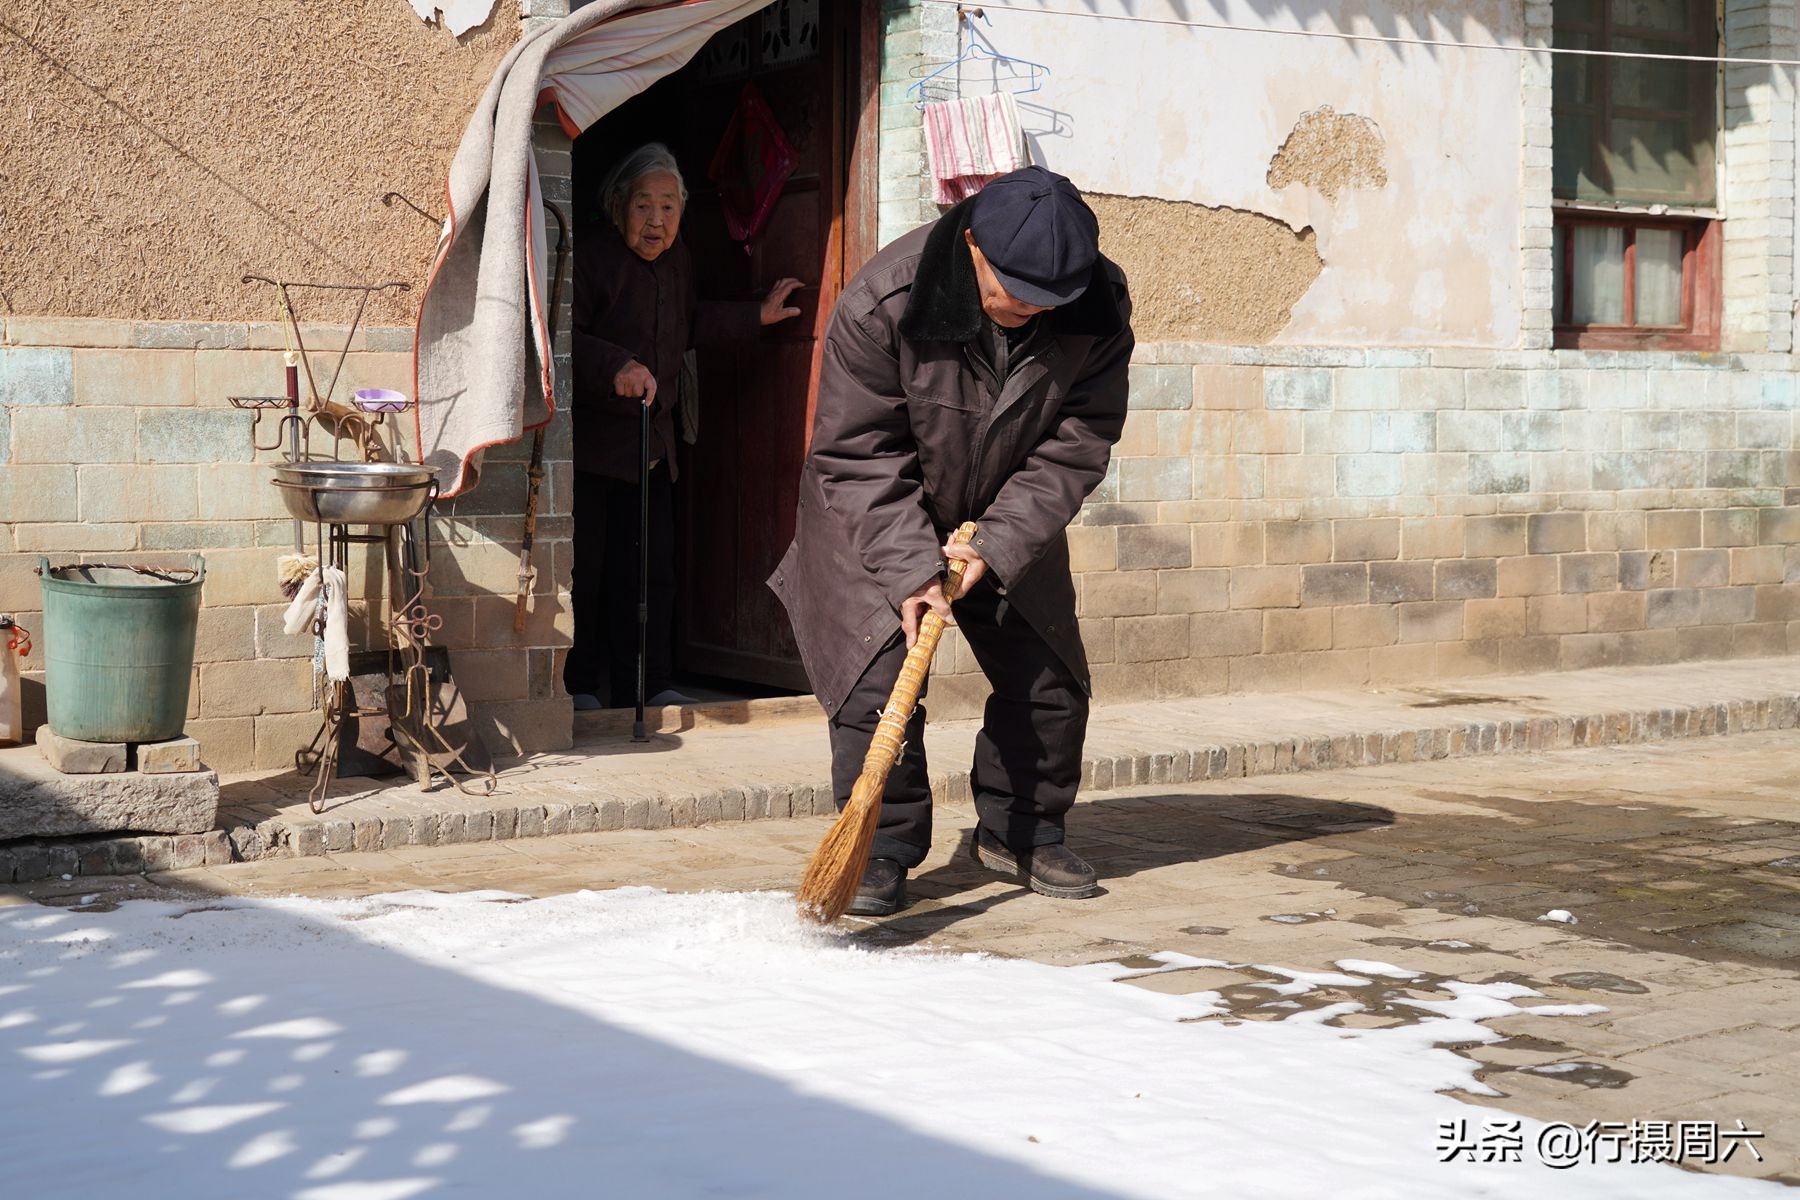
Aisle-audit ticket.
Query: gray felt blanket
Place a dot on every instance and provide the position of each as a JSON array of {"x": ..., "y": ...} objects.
[{"x": 483, "y": 367}]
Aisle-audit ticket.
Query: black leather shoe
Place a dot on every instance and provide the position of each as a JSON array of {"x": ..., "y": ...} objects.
[
  {"x": 882, "y": 890},
  {"x": 1053, "y": 870}
]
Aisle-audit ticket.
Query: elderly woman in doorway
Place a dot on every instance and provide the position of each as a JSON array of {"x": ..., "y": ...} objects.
[{"x": 636, "y": 315}]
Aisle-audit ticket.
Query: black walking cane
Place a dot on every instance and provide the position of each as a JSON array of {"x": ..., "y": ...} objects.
[{"x": 638, "y": 733}]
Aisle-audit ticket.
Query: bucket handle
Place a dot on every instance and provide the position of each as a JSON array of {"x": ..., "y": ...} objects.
[{"x": 197, "y": 568}]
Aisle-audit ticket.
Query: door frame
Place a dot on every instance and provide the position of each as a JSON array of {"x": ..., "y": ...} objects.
[
  {"x": 855, "y": 174},
  {"x": 852, "y": 184}
]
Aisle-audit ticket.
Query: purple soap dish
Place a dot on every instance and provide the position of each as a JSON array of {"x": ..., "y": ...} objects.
[{"x": 381, "y": 400}]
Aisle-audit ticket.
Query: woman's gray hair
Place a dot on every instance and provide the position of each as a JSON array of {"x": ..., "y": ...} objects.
[{"x": 615, "y": 193}]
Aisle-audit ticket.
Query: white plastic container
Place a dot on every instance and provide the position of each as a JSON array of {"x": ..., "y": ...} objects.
[{"x": 12, "y": 715}]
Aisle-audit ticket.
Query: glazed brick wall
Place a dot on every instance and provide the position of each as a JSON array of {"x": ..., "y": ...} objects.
[
  {"x": 117, "y": 443},
  {"x": 1305, "y": 518}
]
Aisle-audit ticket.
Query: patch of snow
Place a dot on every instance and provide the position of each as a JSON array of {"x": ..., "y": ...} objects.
[
  {"x": 1301, "y": 982},
  {"x": 210, "y": 1118},
  {"x": 300, "y": 1029},
  {"x": 698, "y": 1045},
  {"x": 172, "y": 979},
  {"x": 1319, "y": 1016},
  {"x": 132, "y": 1077},
  {"x": 450, "y": 1089},
  {"x": 1363, "y": 966},
  {"x": 1166, "y": 960},
  {"x": 65, "y": 1052},
  {"x": 262, "y": 1149}
]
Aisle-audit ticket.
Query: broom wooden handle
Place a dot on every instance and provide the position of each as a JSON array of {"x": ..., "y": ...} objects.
[{"x": 890, "y": 735}]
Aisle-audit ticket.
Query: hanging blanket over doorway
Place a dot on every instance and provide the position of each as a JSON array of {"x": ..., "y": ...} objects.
[{"x": 483, "y": 369}]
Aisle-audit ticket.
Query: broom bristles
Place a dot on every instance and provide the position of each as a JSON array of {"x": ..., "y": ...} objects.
[{"x": 837, "y": 866}]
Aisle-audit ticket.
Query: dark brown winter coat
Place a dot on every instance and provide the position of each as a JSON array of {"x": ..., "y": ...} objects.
[{"x": 909, "y": 441}]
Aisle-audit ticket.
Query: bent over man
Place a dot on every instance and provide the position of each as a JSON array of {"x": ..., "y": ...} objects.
[{"x": 976, "y": 369}]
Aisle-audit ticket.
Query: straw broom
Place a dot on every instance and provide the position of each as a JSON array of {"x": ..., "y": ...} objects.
[{"x": 837, "y": 866}]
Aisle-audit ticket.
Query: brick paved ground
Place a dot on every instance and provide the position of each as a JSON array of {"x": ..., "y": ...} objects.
[
  {"x": 709, "y": 766},
  {"x": 1680, "y": 861}
]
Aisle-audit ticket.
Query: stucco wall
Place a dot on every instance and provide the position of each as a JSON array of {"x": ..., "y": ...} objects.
[
  {"x": 1400, "y": 481},
  {"x": 155, "y": 153},
  {"x": 1430, "y": 257}
]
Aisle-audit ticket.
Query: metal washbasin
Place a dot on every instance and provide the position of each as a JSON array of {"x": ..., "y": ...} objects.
[{"x": 353, "y": 493}]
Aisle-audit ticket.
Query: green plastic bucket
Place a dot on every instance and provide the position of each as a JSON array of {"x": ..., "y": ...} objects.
[{"x": 119, "y": 649}]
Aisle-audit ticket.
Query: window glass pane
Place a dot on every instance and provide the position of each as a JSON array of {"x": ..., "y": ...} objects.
[
  {"x": 1575, "y": 173},
  {"x": 1645, "y": 83},
  {"x": 1658, "y": 160},
  {"x": 1635, "y": 130},
  {"x": 1570, "y": 76},
  {"x": 1658, "y": 277},
  {"x": 1597, "y": 280},
  {"x": 1667, "y": 16}
]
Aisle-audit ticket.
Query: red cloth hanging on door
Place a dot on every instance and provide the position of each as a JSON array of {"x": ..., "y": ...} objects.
[{"x": 753, "y": 160}]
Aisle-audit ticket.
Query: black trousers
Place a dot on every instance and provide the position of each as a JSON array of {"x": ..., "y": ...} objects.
[
  {"x": 1027, "y": 756},
  {"x": 602, "y": 660}
]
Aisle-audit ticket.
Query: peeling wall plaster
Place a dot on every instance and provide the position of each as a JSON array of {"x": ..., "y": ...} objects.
[
  {"x": 458, "y": 16},
  {"x": 1205, "y": 274},
  {"x": 1330, "y": 152},
  {"x": 1430, "y": 259}
]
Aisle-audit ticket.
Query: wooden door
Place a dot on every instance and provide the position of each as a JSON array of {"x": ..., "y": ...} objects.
[{"x": 739, "y": 481}]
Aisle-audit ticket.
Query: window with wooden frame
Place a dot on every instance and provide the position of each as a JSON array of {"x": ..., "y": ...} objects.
[{"x": 1635, "y": 176}]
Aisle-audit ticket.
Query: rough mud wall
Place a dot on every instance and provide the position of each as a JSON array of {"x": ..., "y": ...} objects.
[
  {"x": 1206, "y": 274},
  {"x": 1330, "y": 152},
  {"x": 156, "y": 150}
]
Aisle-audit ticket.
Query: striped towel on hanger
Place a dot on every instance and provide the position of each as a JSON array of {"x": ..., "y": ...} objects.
[{"x": 971, "y": 141}]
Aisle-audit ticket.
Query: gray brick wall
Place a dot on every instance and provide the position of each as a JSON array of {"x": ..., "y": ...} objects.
[
  {"x": 1300, "y": 517},
  {"x": 913, "y": 35},
  {"x": 117, "y": 442},
  {"x": 1536, "y": 237},
  {"x": 1757, "y": 143}
]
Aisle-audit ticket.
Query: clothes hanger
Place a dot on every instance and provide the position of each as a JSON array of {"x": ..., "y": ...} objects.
[{"x": 979, "y": 50}]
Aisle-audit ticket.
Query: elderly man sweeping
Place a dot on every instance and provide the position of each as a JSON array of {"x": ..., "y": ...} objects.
[{"x": 975, "y": 370}]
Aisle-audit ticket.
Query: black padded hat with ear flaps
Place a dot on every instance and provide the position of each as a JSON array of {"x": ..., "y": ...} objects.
[{"x": 1038, "y": 235}]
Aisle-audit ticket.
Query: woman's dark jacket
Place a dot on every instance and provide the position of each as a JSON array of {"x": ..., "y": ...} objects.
[{"x": 625, "y": 309}]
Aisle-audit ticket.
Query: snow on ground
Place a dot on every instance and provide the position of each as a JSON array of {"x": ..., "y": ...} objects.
[{"x": 639, "y": 1044}]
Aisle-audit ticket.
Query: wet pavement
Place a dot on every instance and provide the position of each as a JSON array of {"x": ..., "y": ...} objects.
[{"x": 1661, "y": 882}]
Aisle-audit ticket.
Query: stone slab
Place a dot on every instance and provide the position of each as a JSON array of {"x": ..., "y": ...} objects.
[
  {"x": 176, "y": 756},
  {"x": 37, "y": 800},
  {"x": 73, "y": 757}
]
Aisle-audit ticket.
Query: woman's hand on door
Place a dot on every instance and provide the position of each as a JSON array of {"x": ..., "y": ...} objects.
[{"x": 775, "y": 306}]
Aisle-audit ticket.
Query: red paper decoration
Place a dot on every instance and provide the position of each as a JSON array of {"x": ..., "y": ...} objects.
[{"x": 753, "y": 160}]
